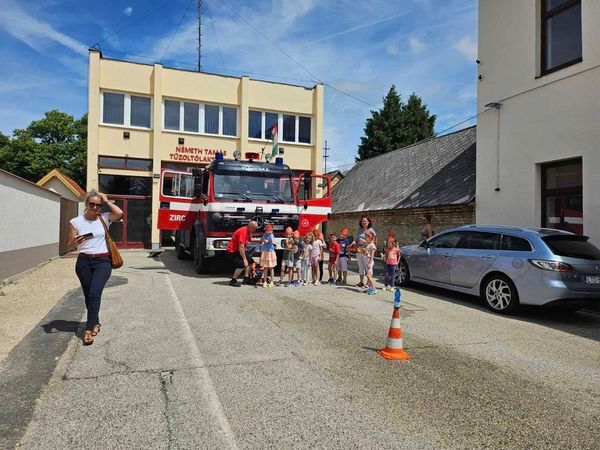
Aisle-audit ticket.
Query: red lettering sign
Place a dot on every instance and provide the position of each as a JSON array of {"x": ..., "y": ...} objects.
[{"x": 195, "y": 154}]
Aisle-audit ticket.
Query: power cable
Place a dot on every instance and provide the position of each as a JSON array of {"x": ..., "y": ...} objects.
[
  {"x": 176, "y": 29},
  {"x": 133, "y": 23},
  {"x": 270, "y": 41},
  {"x": 436, "y": 135},
  {"x": 212, "y": 26},
  {"x": 315, "y": 78}
]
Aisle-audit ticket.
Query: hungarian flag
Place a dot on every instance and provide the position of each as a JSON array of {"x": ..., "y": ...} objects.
[{"x": 275, "y": 150}]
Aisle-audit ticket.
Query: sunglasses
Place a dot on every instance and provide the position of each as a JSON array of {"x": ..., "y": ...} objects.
[{"x": 94, "y": 205}]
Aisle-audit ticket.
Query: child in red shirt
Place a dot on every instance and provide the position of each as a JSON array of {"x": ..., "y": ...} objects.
[
  {"x": 334, "y": 253},
  {"x": 392, "y": 258}
]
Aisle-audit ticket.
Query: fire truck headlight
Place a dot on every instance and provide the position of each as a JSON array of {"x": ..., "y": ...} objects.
[
  {"x": 217, "y": 217},
  {"x": 283, "y": 243},
  {"x": 295, "y": 218}
]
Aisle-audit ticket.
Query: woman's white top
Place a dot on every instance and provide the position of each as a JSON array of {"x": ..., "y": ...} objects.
[{"x": 96, "y": 244}]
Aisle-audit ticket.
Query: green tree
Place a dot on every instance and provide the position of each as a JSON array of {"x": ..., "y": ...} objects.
[
  {"x": 57, "y": 141},
  {"x": 396, "y": 125}
]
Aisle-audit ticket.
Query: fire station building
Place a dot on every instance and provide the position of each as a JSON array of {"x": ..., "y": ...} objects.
[{"x": 145, "y": 117}]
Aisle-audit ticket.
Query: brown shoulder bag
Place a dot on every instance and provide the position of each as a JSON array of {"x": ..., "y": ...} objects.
[{"x": 115, "y": 257}]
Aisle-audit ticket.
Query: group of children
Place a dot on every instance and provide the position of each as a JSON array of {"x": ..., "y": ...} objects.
[{"x": 302, "y": 257}]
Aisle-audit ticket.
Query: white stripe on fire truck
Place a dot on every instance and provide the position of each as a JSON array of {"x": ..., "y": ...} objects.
[{"x": 232, "y": 208}]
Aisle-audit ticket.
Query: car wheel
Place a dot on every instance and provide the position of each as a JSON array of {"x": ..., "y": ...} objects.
[
  {"x": 402, "y": 274},
  {"x": 500, "y": 294}
]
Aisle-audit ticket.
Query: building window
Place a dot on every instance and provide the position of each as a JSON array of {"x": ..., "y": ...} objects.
[
  {"x": 561, "y": 34},
  {"x": 229, "y": 121},
  {"x": 191, "y": 117},
  {"x": 294, "y": 129},
  {"x": 255, "y": 124},
  {"x": 304, "y": 130},
  {"x": 141, "y": 111},
  {"x": 113, "y": 108},
  {"x": 200, "y": 118},
  {"x": 211, "y": 119},
  {"x": 112, "y": 162},
  {"x": 562, "y": 196},
  {"x": 126, "y": 110},
  {"x": 171, "y": 115},
  {"x": 271, "y": 120}
]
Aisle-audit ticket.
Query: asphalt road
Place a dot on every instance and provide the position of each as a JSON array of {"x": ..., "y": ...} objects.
[{"x": 185, "y": 361}]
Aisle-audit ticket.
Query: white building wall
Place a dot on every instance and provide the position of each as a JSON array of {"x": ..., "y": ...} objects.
[
  {"x": 542, "y": 119},
  {"x": 29, "y": 225}
]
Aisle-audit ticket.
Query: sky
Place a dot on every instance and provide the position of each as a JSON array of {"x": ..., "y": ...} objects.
[{"x": 360, "y": 49}]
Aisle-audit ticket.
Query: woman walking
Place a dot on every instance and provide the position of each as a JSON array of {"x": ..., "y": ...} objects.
[
  {"x": 93, "y": 263},
  {"x": 361, "y": 247}
]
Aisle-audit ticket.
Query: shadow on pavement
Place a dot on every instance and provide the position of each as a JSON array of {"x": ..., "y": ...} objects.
[
  {"x": 580, "y": 323},
  {"x": 62, "y": 326}
]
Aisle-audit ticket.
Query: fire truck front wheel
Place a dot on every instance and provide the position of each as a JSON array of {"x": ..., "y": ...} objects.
[
  {"x": 200, "y": 260},
  {"x": 180, "y": 246}
]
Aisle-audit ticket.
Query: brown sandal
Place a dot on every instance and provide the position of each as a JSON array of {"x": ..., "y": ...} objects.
[
  {"x": 95, "y": 330},
  {"x": 87, "y": 338}
]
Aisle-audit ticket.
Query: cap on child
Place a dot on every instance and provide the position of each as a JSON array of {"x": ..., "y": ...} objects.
[{"x": 269, "y": 227}]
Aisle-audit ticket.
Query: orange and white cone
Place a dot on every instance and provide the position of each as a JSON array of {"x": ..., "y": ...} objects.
[{"x": 393, "y": 347}]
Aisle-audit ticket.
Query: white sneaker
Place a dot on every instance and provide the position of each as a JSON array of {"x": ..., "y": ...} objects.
[{"x": 317, "y": 283}]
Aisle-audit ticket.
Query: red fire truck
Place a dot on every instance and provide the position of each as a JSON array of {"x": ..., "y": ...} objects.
[{"x": 205, "y": 206}]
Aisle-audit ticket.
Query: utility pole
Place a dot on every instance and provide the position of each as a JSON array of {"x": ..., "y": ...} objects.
[
  {"x": 199, "y": 35},
  {"x": 325, "y": 156}
]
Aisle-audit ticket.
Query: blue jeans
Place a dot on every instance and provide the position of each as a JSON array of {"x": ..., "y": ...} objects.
[
  {"x": 93, "y": 273},
  {"x": 390, "y": 274}
]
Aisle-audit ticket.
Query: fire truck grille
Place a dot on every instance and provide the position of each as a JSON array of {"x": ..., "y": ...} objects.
[{"x": 230, "y": 222}]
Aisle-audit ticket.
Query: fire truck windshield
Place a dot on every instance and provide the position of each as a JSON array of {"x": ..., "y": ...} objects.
[{"x": 263, "y": 187}]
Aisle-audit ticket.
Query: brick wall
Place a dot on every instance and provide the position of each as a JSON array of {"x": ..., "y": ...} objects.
[{"x": 405, "y": 222}]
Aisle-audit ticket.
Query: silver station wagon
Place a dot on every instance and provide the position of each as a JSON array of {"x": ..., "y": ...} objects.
[{"x": 507, "y": 266}]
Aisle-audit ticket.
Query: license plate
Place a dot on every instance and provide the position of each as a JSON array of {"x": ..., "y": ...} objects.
[
  {"x": 592, "y": 280},
  {"x": 280, "y": 227}
]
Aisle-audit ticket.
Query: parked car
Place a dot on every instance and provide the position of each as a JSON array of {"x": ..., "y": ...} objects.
[{"x": 507, "y": 266}]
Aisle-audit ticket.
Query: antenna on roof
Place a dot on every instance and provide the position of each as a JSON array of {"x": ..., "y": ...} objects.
[{"x": 199, "y": 35}]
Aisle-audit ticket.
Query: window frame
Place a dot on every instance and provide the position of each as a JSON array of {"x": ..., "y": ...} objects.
[
  {"x": 545, "y": 193},
  {"x": 126, "y": 110},
  {"x": 280, "y": 115},
  {"x": 125, "y": 159},
  {"x": 201, "y": 117},
  {"x": 545, "y": 17}
]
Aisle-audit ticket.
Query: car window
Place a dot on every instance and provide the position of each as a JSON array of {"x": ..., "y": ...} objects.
[
  {"x": 478, "y": 240},
  {"x": 572, "y": 246},
  {"x": 515, "y": 244},
  {"x": 448, "y": 240}
]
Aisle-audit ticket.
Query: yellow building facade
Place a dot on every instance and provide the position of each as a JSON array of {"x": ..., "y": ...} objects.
[{"x": 143, "y": 118}]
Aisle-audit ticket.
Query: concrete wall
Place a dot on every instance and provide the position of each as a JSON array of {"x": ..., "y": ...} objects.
[
  {"x": 29, "y": 225},
  {"x": 405, "y": 222},
  {"x": 159, "y": 145},
  {"x": 542, "y": 119}
]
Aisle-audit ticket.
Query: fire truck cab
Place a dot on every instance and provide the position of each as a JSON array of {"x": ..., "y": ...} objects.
[{"x": 206, "y": 206}]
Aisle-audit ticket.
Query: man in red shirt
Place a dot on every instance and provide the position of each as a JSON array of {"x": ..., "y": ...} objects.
[{"x": 237, "y": 251}]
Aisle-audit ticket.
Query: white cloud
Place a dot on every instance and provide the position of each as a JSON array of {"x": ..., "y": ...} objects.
[
  {"x": 127, "y": 11},
  {"x": 34, "y": 32},
  {"x": 467, "y": 47},
  {"x": 416, "y": 45}
]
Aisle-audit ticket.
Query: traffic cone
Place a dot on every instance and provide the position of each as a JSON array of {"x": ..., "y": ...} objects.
[{"x": 393, "y": 347}]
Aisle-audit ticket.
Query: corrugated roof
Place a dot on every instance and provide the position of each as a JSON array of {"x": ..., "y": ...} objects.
[{"x": 440, "y": 171}]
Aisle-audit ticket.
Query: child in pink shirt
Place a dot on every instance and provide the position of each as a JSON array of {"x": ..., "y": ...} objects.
[{"x": 392, "y": 257}]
